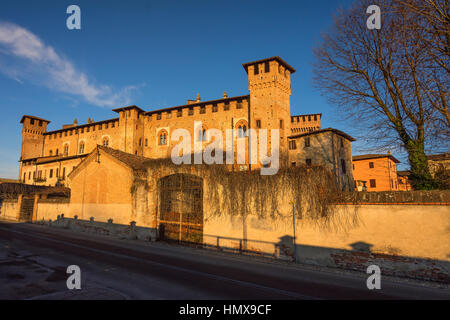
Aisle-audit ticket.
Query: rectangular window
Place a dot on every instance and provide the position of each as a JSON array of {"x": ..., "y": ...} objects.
[
  {"x": 214, "y": 108},
  {"x": 293, "y": 164},
  {"x": 292, "y": 145},
  {"x": 258, "y": 124},
  {"x": 70, "y": 132},
  {"x": 57, "y": 172},
  {"x": 226, "y": 107},
  {"x": 169, "y": 115},
  {"x": 179, "y": 113},
  {"x": 64, "y": 173},
  {"x": 158, "y": 116},
  {"x": 307, "y": 142},
  {"x": 281, "y": 124},
  {"x": 202, "y": 110},
  {"x": 191, "y": 112},
  {"x": 371, "y": 165},
  {"x": 342, "y": 143},
  {"x": 256, "y": 69},
  {"x": 373, "y": 183},
  {"x": 315, "y": 117},
  {"x": 113, "y": 125},
  {"x": 239, "y": 105},
  {"x": 146, "y": 142},
  {"x": 106, "y": 125},
  {"x": 65, "y": 134},
  {"x": 308, "y": 162},
  {"x": 31, "y": 121},
  {"x": 267, "y": 67},
  {"x": 344, "y": 169},
  {"x": 51, "y": 173},
  {"x": 40, "y": 123}
]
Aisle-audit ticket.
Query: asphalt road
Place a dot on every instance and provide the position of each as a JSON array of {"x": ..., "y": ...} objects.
[{"x": 34, "y": 259}]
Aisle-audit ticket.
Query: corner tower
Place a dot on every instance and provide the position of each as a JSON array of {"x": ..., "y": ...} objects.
[
  {"x": 269, "y": 83},
  {"x": 33, "y": 129}
]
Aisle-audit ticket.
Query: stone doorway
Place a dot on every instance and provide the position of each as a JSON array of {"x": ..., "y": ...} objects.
[{"x": 181, "y": 208}]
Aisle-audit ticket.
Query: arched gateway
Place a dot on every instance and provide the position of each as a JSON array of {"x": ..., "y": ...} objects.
[{"x": 181, "y": 207}]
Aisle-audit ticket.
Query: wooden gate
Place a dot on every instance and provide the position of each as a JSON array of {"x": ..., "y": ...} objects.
[
  {"x": 181, "y": 208},
  {"x": 26, "y": 209}
]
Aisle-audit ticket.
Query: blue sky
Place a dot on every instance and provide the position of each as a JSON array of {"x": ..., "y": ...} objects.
[{"x": 153, "y": 54}]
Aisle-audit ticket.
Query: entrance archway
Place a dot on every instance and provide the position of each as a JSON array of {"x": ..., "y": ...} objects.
[{"x": 181, "y": 208}]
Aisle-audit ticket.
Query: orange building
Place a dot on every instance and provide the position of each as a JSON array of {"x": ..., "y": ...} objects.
[
  {"x": 49, "y": 156},
  {"x": 378, "y": 171}
]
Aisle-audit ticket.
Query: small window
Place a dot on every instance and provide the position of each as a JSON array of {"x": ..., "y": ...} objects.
[
  {"x": 308, "y": 162},
  {"x": 158, "y": 116},
  {"x": 307, "y": 142},
  {"x": 113, "y": 125},
  {"x": 342, "y": 143},
  {"x": 57, "y": 172},
  {"x": 373, "y": 183},
  {"x": 281, "y": 124},
  {"x": 105, "y": 142},
  {"x": 106, "y": 125},
  {"x": 51, "y": 153},
  {"x": 315, "y": 117},
  {"x": 191, "y": 112},
  {"x": 88, "y": 129},
  {"x": 226, "y": 107},
  {"x": 64, "y": 173},
  {"x": 258, "y": 124},
  {"x": 146, "y": 142},
  {"x": 202, "y": 110},
  {"x": 239, "y": 105},
  {"x": 292, "y": 145},
  {"x": 344, "y": 169},
  {"x": 57, "y": 152},
  {"x": 40, "y": 123},
  {"x": 51, "y": 173},
  {"x": 70, "y": 132},
  {"x": 140, "y": 142},
  {"x": 293, "y": 164},
  {"x": 256, "y": 69},
  {"x": 66, "y": 150},
  {"x": 31, "y": 121},
  {"x": 214, "y": 108},
  {"x": 371, "y": 165},
  {"x": 266, "y": 67},
  {"x": 179, "y": 113}
]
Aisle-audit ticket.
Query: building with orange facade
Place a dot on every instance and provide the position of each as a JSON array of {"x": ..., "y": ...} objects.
[
  {"x": 378, "y": 172},
  {"x": 48, "y": 157}
]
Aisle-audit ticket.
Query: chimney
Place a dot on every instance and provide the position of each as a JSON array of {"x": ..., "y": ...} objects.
[
  {"x": 225, "y": 95},
  {"x": 198, "y": 97},
  {"x": 75, "y": 122}
]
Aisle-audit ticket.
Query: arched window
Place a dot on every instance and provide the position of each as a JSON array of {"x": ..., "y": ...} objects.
[
  {"x": 202, "y": 134},
  {"x": 163, "y": 138},
  {"x": 105, "y": 142},
  {"x": 66, "y": 149},
  {"x": 241, "y": 127},
  {"x": 81, "y": 147}
]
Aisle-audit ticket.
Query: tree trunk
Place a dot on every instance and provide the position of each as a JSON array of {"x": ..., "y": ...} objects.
[{"x": 420, "y": 172}]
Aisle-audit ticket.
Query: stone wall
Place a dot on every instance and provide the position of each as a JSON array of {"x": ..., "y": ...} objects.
[{"x": 8, "y": 209}]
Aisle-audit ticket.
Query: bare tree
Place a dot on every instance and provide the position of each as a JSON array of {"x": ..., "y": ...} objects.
[{"x": 385, "y": 80}]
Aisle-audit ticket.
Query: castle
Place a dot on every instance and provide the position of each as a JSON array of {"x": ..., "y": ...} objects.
[{"x": 48, "y": 157}]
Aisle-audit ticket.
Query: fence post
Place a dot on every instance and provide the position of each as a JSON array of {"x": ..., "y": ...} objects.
[
  {"x": 295, "y": 237},
  {"x": 218, "y": 243},
  {"x": 240, "y": 246},
  {"x": 181, "y": 221}
]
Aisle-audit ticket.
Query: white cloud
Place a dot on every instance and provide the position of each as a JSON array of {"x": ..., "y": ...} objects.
[{"x": 35, "y": 61}]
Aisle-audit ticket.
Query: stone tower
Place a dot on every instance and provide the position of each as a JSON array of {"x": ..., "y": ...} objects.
[
  {"x": 269, "y": 83},
  {"x": 33, "y": 129}
]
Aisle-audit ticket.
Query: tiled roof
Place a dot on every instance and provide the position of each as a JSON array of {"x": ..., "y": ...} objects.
[
  {"x": 336, "y": 131},
  {"x": 375, "y": 156},
  {"x": 281, "y": 61},
  {"x": 32, "y": 117},
  {"x": 439, "y": 157},
  {"x": 131, "y": 160}
]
